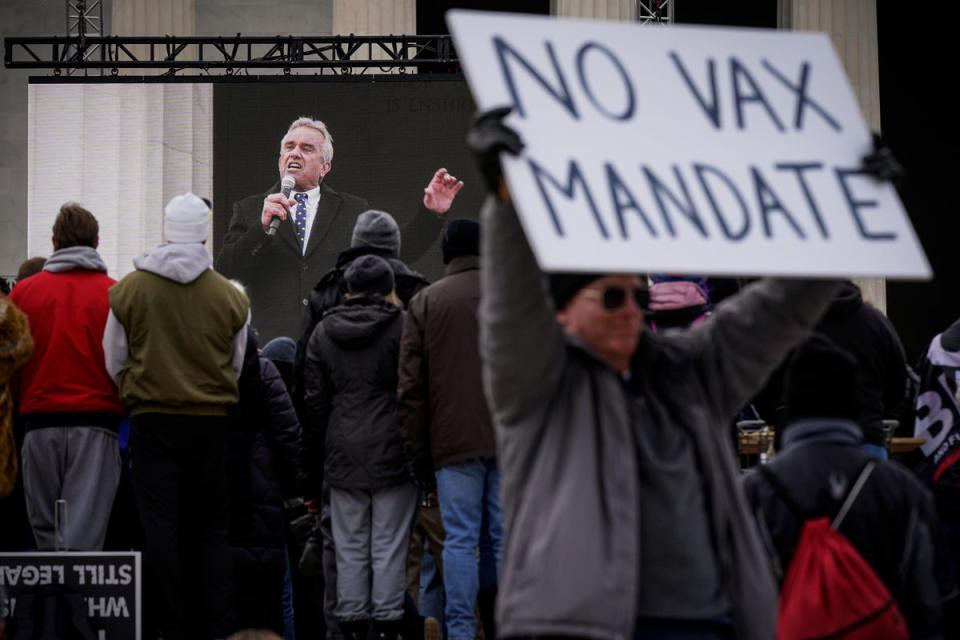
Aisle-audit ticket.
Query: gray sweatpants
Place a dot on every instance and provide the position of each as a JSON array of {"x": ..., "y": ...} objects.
[
  {"x": 80, "y": 465},
  {"x": 371, "y": 530}
]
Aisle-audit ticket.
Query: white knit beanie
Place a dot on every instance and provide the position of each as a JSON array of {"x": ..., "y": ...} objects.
[{"x": 186, "y": 219}]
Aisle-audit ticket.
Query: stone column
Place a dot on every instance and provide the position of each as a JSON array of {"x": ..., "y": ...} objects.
[
  {"x": 376, "y": 18},
  {"x": 600, "y": 9},
  {"x": 852, "y": 27},
  {"x": 153, "y": 18}
]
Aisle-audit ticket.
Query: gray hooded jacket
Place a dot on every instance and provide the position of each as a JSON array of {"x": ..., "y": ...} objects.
[
  {"x": 73, "y": 258},
  {"x": 567, "y": 431}
]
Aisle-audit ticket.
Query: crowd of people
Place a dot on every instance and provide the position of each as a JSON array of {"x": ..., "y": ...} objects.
[{"x": 498, "y": 453}]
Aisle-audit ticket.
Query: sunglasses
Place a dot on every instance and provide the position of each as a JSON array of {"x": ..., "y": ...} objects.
[{"x": 613, "y": 297}]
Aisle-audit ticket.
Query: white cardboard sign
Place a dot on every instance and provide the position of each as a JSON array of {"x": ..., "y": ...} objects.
[{"x": 685, "y": 149}]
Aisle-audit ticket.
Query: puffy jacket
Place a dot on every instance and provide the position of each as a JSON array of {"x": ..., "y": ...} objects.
[
  {"x": 351, "y": 391},
  {"x": 566, "y": 423},
  {"x": 328, "y": 293},
  {"x": 262, "y": 448}
]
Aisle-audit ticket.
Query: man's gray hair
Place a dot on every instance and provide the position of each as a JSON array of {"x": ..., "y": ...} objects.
[{"x": 327, "y": 149}]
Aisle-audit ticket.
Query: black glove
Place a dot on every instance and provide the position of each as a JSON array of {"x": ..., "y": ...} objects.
[
  {"x": 881, "y": 164},
  {"x": 487, "y": 137}
]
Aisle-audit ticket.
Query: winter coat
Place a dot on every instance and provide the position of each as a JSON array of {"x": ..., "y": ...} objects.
[
  {"x": 892, "y": 522},
  {"x": 66, "y": 381},
  {"x": 870, "y": 338},
  {"x": 262, "y": 448},
  {"x": 175, "y": 314},
  {"x": 328, "y": 293},
  {"x": 566, "y": 428},
  {"x": 443, "y": 411},
  {"x": 351, "y": 391}
]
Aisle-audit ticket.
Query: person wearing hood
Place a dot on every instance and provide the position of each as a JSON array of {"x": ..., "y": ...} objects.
[
  {"x": 871, "y": 339},
  {"x": 869, "y": 336},
  {"x": 174, "y": 343},
  {"x": 375, "y": 233},
  {"x": 354, "y": 435},
  {"x": 69, "y": 403}
]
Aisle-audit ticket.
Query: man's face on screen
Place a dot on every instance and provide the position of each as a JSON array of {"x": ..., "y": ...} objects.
[{"x": 302, "y": 158}]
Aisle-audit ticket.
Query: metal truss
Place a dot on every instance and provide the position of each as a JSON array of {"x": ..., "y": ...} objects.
[
  {"x": 84, "y": 19},
  {"x": 654, "y": 11},
  {"x": 342, "y": 55}
]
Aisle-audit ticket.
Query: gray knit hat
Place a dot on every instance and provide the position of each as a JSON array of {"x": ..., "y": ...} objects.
[{"x": 377, "y": 229}]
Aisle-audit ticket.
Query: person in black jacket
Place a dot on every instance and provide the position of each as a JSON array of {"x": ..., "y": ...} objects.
[
  {"x": 866, "y": 334},
  {"x": 262, "y": 448},
  {"x": 354, "y": 434},
  {"x": 892, "y": 523},
  {"x": 375, "y": 233}
]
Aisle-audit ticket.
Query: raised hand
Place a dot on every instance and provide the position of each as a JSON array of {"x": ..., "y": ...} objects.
[{"x": 439, "y": 194}]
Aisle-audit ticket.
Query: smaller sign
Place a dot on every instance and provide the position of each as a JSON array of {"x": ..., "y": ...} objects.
[{"x": 101, "y": 590}]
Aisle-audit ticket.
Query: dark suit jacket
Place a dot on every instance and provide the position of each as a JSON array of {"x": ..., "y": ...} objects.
[{"x": 278, "y": 276}]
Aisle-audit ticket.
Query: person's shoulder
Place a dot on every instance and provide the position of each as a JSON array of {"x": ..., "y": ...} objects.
[
  {"x": 349, "y": 200},
  {"x": 270, "y": 375}
]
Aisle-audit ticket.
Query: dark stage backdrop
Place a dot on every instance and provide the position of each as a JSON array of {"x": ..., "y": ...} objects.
[{"x": 389, "y": 135}]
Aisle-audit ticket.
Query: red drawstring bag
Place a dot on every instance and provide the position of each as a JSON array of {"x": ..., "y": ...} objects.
[{"x": 829, "y": 590}]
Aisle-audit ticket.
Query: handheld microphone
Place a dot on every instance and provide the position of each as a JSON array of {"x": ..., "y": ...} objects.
[{"x": 286, "y": 186}]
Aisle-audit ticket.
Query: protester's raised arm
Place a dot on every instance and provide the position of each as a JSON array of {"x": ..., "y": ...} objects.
[
  {"x": 738, "y": 348},
  {"x": 522, "y": 345}
]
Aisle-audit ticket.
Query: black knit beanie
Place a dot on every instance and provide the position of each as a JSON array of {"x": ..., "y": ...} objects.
[
  {"x": 823, "y": 381},
  {"x": 564, "y": 286},
  {"x": 369, "y": 274},
  {"x": 460, "y": 238}
]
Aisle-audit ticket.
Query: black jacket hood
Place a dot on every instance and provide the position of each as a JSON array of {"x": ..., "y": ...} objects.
[
  {"x": 356, "y": 323},
  {"x": 846, "y": 302}
]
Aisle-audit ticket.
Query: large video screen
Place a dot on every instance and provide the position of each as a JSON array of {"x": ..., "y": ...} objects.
[
  {"x": 124, "y": 147},
  {"x": 389, "y": 137}
]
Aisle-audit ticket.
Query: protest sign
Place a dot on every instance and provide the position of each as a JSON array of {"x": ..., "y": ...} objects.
[
  {"x": 96, "y": 588},
  {"x": 685, "y": 149}
]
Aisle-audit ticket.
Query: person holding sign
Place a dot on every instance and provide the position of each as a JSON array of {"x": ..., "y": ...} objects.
[{"x": 621, "y": 503}]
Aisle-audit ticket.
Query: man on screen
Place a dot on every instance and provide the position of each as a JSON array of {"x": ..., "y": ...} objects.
[{"x": 316, "y": 224}]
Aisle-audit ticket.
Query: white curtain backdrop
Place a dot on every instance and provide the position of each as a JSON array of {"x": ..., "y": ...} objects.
[{"x": 120, "y": 150}]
